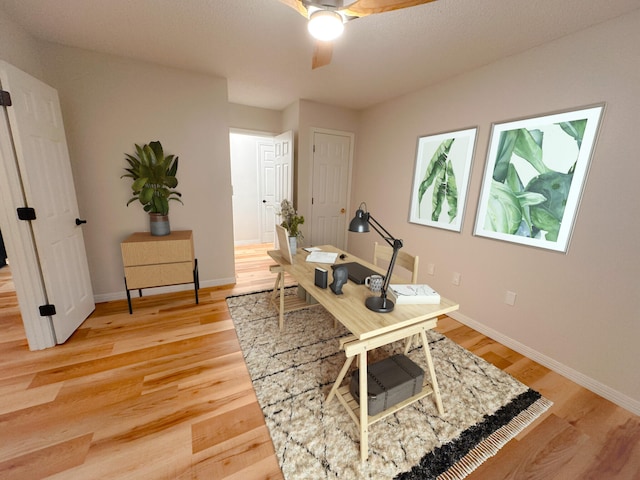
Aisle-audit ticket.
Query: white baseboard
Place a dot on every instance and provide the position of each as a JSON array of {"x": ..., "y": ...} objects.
[
  {"x": 589, "y": 383},
  {"x": 107, "y": 297}
]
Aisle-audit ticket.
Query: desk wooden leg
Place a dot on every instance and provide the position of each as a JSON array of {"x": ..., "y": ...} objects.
[
  {"x": 407, "y": 345},
  {"x": 275, "y": 285},
  {"x": 281, "y": 316},
  {"x": 364, "y": 407},
  {"x": 432, "y": 372},
  {"x": 343, "y": 372}
]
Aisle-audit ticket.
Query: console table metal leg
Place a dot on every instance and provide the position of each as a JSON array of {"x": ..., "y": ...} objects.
[
  {"x": 196, "y": 280},
  {"x": 128, "y": 296}
]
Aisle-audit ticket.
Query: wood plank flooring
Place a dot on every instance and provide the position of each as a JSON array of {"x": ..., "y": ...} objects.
[{"x": 165, "y": 394}]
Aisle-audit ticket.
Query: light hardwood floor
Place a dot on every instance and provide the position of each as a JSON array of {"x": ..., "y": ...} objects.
[{"x": 164, "y": 394}]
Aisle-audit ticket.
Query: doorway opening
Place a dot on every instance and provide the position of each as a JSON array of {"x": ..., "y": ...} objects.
[
  {"x": 252, "y": 156},
  {"x": 261, "y": 176}
]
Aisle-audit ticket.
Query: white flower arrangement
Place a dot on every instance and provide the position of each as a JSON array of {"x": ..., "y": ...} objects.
[{"x": 290, "y": 219}]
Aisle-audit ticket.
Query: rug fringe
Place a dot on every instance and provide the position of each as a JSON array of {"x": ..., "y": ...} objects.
[{"x": 494, "y": 442}]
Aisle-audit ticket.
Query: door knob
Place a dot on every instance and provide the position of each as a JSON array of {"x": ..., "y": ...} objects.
[
  {"x": 342, "y": 211},
  {"x": 80, "y": 222},
  {"x": 264, "y": 201}
]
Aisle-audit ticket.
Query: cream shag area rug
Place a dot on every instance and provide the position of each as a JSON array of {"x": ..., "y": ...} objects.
[{"x": 293, "y": 370}]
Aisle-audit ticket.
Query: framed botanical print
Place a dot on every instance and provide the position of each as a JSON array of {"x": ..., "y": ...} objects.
[
  {"x": 534, "y": 176},
  {"x": 441, "y": 179}
]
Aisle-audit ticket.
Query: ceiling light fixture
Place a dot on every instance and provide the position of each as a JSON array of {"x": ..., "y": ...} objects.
[{"x": 325, "y": 25}]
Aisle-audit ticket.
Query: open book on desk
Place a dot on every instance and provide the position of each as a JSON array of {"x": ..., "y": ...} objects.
[{"x": 322, "y": 257}]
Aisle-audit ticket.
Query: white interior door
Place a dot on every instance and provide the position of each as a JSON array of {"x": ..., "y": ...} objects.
[
  {"x": 283, "y": 165},
  {"x": 268, "y": 210},
  {"x": 37, "y": 130},
  {"x": 332, "y": 153}
]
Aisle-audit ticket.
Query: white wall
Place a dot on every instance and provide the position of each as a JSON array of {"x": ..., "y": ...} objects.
[
  {"x": 577, "y": 312},
  {"x": 109, "y": 104},
  {"x": 19, "y": 48},
  {"x": 254, "y": 118}
]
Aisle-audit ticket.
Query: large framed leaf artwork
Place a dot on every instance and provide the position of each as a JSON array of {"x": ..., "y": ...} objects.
[
  {"x": 441, "y": 178},
  {"x": 534, "y": 177}
]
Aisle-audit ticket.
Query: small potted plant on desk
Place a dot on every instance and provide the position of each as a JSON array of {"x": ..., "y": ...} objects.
[
  {"x": 291, "y": 221},
  {"x": 154, "y": 181}
]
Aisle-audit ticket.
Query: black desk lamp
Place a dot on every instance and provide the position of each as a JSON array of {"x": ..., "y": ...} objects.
[{"x": 360, "y": 224}]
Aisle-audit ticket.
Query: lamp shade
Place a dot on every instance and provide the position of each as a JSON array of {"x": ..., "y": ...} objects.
[
  {"x": 360, "y": 223},
  {"x": 325, "y": 25}
]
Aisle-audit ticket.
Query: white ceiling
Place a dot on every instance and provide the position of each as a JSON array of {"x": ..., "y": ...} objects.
[{"x": 262, "y": 46}]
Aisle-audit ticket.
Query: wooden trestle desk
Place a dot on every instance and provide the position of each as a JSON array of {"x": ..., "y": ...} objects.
[{"x": 370, "y": 330}]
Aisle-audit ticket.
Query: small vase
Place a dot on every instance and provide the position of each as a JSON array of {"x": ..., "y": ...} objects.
[
  {"x": 159, "y": 224},
  {"x": 293, "y": 245}
]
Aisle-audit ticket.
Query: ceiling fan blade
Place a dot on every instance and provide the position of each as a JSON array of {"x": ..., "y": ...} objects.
[
  {"x": 361, "y": 8},
  {"x": 322, "y": 54},
  {"x": 298, "y": 6}
]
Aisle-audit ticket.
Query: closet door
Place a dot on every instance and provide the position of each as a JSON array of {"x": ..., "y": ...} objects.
[{"x": 35, "y": 123}]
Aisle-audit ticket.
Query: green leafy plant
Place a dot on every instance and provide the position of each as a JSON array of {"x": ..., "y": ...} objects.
[
  {"x": 536, "y": 208},
  {"x": 290, "y": 219},
  {"x": 440, "y": 174},
  {"x": 154, "y": 177}
]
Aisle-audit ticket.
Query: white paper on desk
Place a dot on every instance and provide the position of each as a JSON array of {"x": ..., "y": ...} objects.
[{"x": 322, "y": 257}]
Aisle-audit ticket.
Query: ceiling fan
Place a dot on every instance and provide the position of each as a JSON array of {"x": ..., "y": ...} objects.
[{"x": 327, "y": 19}]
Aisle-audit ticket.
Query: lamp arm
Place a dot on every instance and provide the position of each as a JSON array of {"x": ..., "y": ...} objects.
[
  {"x": 390, "y": 239},
  {"x": 395, "y": 243},
  {"x": 392, "y": 263},
  {"x": 361, "y": 223}
]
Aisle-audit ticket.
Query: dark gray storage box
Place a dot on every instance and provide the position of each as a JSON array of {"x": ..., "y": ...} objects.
[{"x": 389, "y": 382}]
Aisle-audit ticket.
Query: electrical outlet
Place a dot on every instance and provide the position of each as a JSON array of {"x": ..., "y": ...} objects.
[
  {"x": 456, "y": 278},
  {"x": 431, "y": 269},
  {"x": 510, "y": 298}
]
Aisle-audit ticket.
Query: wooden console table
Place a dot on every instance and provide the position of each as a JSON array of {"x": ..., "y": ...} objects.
[{"x": 152, "y": 261}]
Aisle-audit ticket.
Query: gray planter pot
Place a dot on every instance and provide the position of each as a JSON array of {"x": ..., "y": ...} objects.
[{"x": 159, "y": 224}]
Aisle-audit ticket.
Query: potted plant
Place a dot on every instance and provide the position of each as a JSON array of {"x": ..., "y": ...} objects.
[
  {"x": 154, "y": 181},
  {"x": 291, "y": 221}
]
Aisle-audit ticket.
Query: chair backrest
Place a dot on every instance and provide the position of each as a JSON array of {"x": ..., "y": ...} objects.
[{"x": 382, "y": 256}]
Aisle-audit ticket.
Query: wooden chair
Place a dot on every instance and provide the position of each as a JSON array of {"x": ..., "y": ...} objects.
[
  {"x": 283, "y": 245},
  {"x": 382, "y": 256}
]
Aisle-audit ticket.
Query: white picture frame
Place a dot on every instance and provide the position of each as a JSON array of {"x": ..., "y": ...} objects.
[
  {"x": 534, "y": 176},
  {"x": 441, "y": 179}
]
